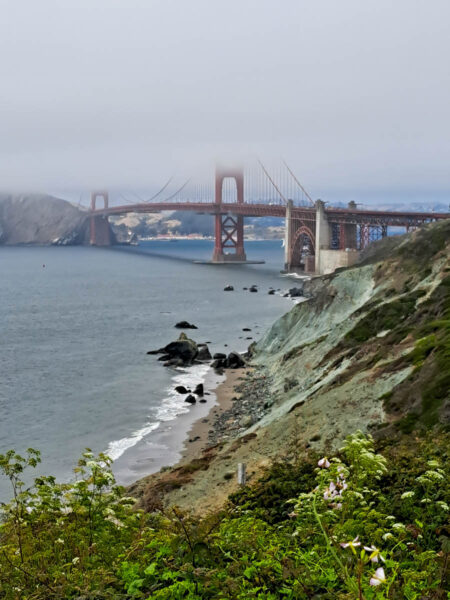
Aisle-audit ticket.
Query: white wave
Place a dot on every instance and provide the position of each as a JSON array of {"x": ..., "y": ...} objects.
[
  {"x": 171, "y": 406},
  {"x": 118, "y": 447},
  {"x": 174, "y": 404}
]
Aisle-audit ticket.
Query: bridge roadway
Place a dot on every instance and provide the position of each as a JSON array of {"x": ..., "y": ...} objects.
[
  {"x": 334, "y": 215},
  {"x": 317, "y": 238}
]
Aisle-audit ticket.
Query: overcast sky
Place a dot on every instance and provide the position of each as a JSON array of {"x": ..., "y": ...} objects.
[{"x": 354, "y": 94}]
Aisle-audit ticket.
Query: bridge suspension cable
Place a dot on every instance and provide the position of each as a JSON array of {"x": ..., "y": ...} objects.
[
  {"x": 161, "y": 190},
  {"x": 272, "y": 181},
  {"x": 298, "y": 183},
  {"x": 178, "y": 191}
]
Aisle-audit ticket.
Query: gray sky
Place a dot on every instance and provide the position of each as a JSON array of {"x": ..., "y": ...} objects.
[{"x": 354, "y": 94}]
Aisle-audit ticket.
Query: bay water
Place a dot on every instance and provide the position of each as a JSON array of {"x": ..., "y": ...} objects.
[{"x": 75, "y": 326}]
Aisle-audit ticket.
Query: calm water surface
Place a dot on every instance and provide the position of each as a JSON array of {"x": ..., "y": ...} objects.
[{"x": 74, "y": 334}]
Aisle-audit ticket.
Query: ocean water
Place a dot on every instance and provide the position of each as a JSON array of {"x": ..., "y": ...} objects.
[{"x": 75, "y": 326}]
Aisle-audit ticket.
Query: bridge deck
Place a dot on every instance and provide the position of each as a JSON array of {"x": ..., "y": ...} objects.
[{"x": 338, "y": 215}]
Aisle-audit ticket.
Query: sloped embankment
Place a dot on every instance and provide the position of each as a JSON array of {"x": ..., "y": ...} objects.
[{"x": 369, "y": 350}]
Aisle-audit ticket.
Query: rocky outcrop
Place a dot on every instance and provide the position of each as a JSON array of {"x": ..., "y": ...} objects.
[
  {"x": 185, "y": 325},
  {"x": 181, "y": 352},
  {"x": 233, "y": 361},
  {"x": 40, "y": 219}
]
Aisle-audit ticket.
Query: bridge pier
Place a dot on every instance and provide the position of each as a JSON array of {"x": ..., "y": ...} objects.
[
  {"x": 288, "y": 236},
  {"x": 99, "y": 231},
  {"x": 229, "y": 228}
]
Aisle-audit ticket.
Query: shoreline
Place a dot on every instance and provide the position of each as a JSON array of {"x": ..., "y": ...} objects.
[{"x": 198, "y": 436}]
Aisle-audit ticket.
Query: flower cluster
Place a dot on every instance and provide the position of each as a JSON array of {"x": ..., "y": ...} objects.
[{"x": 333, "y": 493}]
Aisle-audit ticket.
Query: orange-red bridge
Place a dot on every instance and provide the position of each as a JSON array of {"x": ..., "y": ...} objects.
[{"x": 318, "y": 238}]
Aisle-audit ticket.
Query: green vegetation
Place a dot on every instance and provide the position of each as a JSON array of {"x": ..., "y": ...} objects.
[
  {"x": 383, "y": 317},
  {"x": 362, "y": 524}
]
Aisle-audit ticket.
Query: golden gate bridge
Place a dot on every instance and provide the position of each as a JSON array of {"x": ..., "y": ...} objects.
[{"x": 318, "y": 238}]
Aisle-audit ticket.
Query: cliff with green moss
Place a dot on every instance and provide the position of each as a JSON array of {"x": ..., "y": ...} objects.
[
  {"x": 367, "y": 350},
  {"x": 348, "y": 493}
]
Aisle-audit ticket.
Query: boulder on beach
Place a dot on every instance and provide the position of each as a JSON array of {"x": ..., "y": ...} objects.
[
  {"x": 199, "y": 389},
  {"x": 234, "y": 361},
  {"x": 228, "y": 288},
  {"x": 219, "y": 356},
  {"x": 271, "y": 292},
  {"x": 191, "y": 399},
  {"x": 182, "y": 390},
  {"x": 203, "y": 352},
  {"x": 185, "y": 325},
  {"x": 253, "y": 289}
]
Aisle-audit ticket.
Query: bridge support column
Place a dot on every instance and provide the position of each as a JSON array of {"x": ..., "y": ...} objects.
[
  {"x": 322, "y": 234},
  {"x": 348, "y": 231},
  {"x": 288, "y": 236},
  {"x": 100, "y": 231},
  {"x": 229, "y": 229}
]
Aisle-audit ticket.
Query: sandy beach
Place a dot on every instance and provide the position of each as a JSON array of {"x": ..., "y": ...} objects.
[{"x": 198, "y": 433}]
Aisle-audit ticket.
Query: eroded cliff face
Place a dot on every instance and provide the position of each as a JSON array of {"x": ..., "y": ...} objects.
[
  {"x": 40, "y": 219},
  {"x": 369, "y": 349}
]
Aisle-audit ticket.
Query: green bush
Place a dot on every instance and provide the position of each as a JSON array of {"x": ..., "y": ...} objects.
[{"x": 358, "y": 525}]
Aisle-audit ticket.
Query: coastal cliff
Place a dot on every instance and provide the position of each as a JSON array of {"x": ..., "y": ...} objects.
[
  {"x": 367, "y": 349},
  {"x": 40, "y": 219}
]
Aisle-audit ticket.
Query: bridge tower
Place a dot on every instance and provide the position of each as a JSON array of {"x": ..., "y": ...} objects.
[
  {"x": 100, "y": 232},
  {"x": 229, "y": 228}
]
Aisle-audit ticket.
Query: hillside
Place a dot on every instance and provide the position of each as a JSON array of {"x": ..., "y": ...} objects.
[
  {"x": 369, "y": 350},
  {"x": 330, "y": 511},
  {"x": 40, "y": 219}
]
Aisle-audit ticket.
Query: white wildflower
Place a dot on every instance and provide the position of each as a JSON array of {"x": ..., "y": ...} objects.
[
  {"x": 407, "y": 495},
  {"x": 378, "y": 577}
]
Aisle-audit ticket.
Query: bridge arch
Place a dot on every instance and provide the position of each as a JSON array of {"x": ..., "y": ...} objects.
[
  {"x": 221, "y": 176},
  {"x": 99, "y": 194},
  {"x": 303, "y": 249}
]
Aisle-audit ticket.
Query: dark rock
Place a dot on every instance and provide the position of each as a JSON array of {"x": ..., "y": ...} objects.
[
  {"x": 203, "y": 352},
  {"x": 165, "y": 357},
  {"x": 219, "y": 355},
  {"x": 219, "y": 363},
  {"x": 183, "y": 348},
  {"x": 271, "y": 292},
  {"x": 185, "y": 325},
  {"x": 295, "y": 292},
  {"x": 199, "y": 389},
  {"x": 234, "y": 361},
  {"x": 174, "y": 362},
  {"x": 246, "y": 288},
  {"x": 315, "y": 438},
  {"x": 249, "y": 338},
  {"x": 228, "y": 288},
  {"x": 253, "y": 289},
  {"x": 155, "y": 351},
  {"x": 246, "y": 329},
  {"x": 182, "y": 390},
  {"x": 191, "y": 399},
  {"x": 202, "y": 400}
]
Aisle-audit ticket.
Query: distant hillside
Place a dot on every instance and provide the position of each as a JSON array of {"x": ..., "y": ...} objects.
[{"x": 40, "y": 219}]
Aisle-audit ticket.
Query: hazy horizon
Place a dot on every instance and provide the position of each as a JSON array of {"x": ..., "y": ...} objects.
[{"x": 123, "y": 94}]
